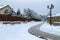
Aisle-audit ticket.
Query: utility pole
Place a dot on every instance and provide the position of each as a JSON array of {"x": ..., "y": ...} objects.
[{"x": 50, "y": 12}]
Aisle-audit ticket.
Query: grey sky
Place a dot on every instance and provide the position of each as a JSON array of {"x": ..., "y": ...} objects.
[{"x": 40, "y": 6}]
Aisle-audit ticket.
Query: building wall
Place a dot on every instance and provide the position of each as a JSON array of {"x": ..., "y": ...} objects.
[
  {"x": 54, "y": 19},
  {"x": 2, "y": 11}
]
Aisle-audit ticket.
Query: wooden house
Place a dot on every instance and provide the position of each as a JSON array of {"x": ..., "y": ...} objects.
[{"x": 5, "y": 9}]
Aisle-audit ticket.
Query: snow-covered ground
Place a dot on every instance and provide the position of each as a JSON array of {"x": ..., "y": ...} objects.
[
  {"x": 51, "y": 29},
  {"x": 17, "y": 31}
]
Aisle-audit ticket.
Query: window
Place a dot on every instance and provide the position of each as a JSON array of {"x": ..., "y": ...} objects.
[{"x": 6, "y": 11}]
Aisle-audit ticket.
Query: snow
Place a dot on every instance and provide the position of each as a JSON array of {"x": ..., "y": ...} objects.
[
  {"x": 17, "y": 31},
  {"x": 32, "y": 14},
  {"x": 2, "y": 6},
  {"x": 55, "y": 15},
  {"x": 58, "y": 14},
  {"x": 51, "y": 29}
]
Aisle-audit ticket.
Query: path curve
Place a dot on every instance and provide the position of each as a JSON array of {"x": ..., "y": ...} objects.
[{"x": 35, "y": 30}]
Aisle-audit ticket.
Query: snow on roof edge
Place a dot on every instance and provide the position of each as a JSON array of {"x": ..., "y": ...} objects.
[
  {"x": 2, "y": 6},
  {"x": 55, "y": 15}
]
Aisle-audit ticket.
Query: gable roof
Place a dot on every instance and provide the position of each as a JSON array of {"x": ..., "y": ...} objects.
[{"x": 2, "y": 7}]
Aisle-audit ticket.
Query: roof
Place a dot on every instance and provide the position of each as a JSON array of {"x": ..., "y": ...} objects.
[
  {"x": 1, "y": 7},
  {"x": 55, "y": 15}
]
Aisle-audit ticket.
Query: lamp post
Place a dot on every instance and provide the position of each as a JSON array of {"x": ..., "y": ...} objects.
[{"x": 50, "y": 12}]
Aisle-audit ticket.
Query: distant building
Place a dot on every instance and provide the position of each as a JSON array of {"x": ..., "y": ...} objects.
[
  {"x": 5, "y": 9},
  {"x": 55, "y": 18}
]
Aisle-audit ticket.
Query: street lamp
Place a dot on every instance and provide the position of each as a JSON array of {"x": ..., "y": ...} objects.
[{"x": 50, "y": 12}]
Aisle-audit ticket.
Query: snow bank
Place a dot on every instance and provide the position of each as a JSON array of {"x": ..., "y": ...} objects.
[
  {"x": 17, "y": 31},
  {"x": 50, "y": 29}
]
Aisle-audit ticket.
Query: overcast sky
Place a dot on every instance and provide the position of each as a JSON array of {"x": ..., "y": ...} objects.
[{"x": 40, "y": 6}]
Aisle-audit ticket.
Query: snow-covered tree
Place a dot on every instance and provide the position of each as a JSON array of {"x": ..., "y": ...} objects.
[
  {"x": 29, "y": 12},
  {"x": 34, "y": 15},
  {"x": 25, "y": 12}
]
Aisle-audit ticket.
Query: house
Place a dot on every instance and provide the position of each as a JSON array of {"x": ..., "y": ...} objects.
[
  {"x": 5, "y": 9},
  {"x": 54, "y": 18}
]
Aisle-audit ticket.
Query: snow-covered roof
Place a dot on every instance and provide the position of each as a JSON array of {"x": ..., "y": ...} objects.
[
  {"x": 55, "y": 15},
  {"x": 2, "y": 6}
]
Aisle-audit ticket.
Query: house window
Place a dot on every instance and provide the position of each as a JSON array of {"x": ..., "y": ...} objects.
[{"x": 6, "y": 11}]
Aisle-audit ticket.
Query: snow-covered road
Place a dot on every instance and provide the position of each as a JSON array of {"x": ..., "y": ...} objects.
[{"x": 17, "y": 31}]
